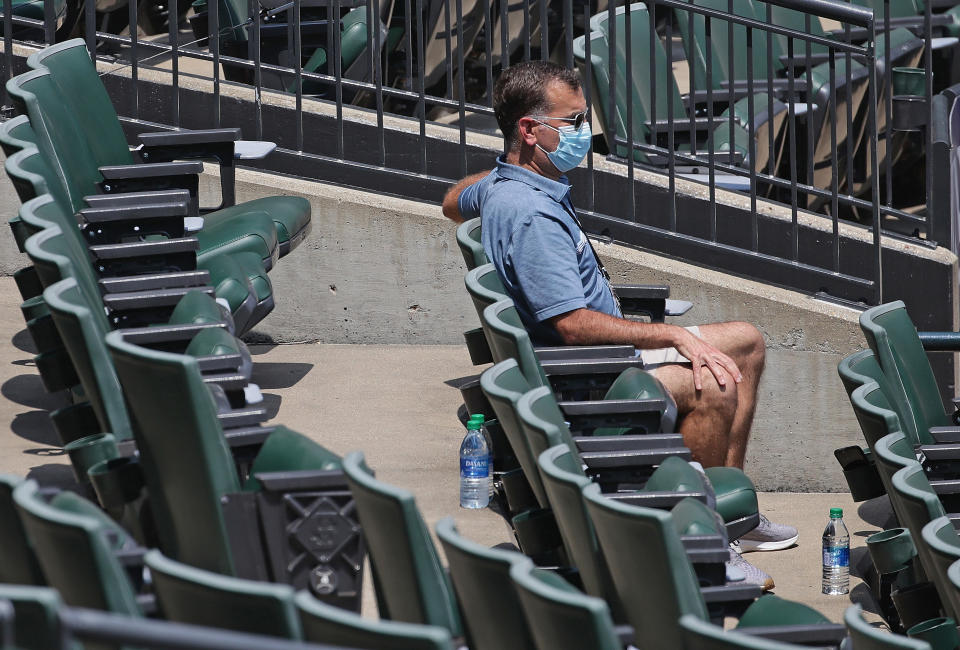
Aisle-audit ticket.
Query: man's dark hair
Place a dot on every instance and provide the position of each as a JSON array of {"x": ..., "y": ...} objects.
[{"x": 522, "y": 90}]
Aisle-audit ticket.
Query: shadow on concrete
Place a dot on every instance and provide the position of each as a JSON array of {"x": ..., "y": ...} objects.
[
  {"x": 28, "y": 390},
  {"x": 271, "y": 402},
  {"x": 878, "y": 512},
  {"x": 260, "y": 345},
  {"x": 460, "y": 381},
  {"x": 272, "y": 376},
  {"x": 57, "y": 476},
  {"x": 23, "y": 341},
  {"x": 35, "y": 426},
  {"x": 861, "y": 565},
  {"x": 861, "y": 595}
]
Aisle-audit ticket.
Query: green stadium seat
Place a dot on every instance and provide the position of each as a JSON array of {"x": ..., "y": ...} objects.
[
  {"x": 323, "y": 623},
  {"x": 36, "y": 617},
  {"x": 19, "y": 565},
  {"x": 864, "y": 636},
  {"x": 703, "y": 635},
  {"x": 218, "y": 520},
  {"x": 468, "y": 239},
  {"x": 77, "y": 79},
  {"x": 492, "y": 613},
  {"x": 943, "y": 548},
  {"x": 411, "y": 584},
  {"x": 79, "y": 549},
  {"x": 558, "y": 615},
  {"x": 656, "y": 582}
]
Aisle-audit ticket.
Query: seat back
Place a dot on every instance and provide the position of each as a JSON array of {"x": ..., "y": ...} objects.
[
  {"x": 19, "y": 565},
  {"x": 563, "y": 479},
  {"x": 893, "y": 453},
  {"x": 410, "y": 579},
  {"x": 559, "y": 616},
  {"x": 864, "y": 636},
  {"x": 893, "y": 338},
  {"x": 36, "y": 617},
  {"x": 60, "y": 140},
  {"x": 16, "y": 134},
  {"x": 509, "y": 340},
  {"x": 75, "y": 543},
  {"x": 28, "y": 172},
  {"x": 858, "y": 369},
  {"x": 481, "y": 578},
  {"x": 917, "y": 505},
  {"x": 186, "y": 594},
  {"x": 649, "y": 566},
  {"x": 76, "y": 76},
  {"x": 175, "y": 424},
  {"x": 83, "y": 330},
  {"x": 943, "y": 548},
  {"x": 872, "y": 408},
  {"x": 484, "y": 286},
  {"x": 468, "y": 239},
  {"x": 704, "y": 635},
  {"x": 323, "y": 623},
  {"x": 503, "y": 384},
  {"x": 542, "y": 422}
]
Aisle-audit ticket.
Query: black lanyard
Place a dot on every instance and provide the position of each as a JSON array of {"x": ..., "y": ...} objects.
[{"x": 573, "y": 213}]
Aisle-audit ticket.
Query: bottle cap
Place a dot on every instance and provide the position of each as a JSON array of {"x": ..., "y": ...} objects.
[
  {"x": 836, "y": 513},
  {"x": 477, "y": 416},
  {"x": 475, "y": 422}
]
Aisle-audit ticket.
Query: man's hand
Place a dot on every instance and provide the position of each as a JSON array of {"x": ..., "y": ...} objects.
[{"x": 702, "y": 354}]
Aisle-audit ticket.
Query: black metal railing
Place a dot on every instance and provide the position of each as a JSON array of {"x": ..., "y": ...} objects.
[{"x": 737, "y": 104}]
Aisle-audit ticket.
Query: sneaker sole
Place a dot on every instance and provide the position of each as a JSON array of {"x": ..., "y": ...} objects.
[{"x": 750, "y": 545}]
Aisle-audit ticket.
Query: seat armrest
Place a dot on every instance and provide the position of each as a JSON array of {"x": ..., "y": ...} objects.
[
  {"x": 246, "y": 436},
  {"x": 151, "y": 170},
  {"x": 945, "y": 435},
  {"x": 731, "y": 593},
  {"x": 220, "y": 363},
  {"x": 941, "y": 452},
  {"x": 165, "y": 334},
  {"x": 823, "y": 634},
  {"x": 122, "y": 284},
  {"x": 626, "y": 634},
  {"x": 625, "y": 443},
  {"x": 945, "y": 487},
  {"x": 136, "y": 198},
  {"x": 600, "y": 460},
  {"x": 189, "y": 137},
  {"x": 644, "y": 291},
  {"x": 135, "y": 212},
  {"x": 564, "y": 367},
  {"x": 658, "y": 500},
  {"x": 300, "y": 480},
  {"x": 593, "y": 352},
  {"x": 242, "y": 418},
  {"x": 587, "y": 416}
]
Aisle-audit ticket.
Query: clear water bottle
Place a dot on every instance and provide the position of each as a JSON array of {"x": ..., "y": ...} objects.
[
  {"x": 481, "y": 424},
  {"x": 836, "y": 555},
  {"x": 474, "y": 468}
]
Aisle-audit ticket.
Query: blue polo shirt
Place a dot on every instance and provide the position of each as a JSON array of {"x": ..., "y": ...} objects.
[{"x": 531, "y": 236}]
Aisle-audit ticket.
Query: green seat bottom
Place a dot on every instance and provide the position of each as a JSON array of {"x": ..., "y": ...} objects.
[
  {"x": 289, "y": 451},
  {"x": 736, "y": 494},
  {"x": 771, "y": 610},
  {"x": 290, "y": 214},
  {"x": 248, "y": 230}
]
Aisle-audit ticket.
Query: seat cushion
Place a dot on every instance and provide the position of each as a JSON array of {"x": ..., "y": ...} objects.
[
  {"x": 287, "y": 451},
  {"x": 736, "y": 494},
  {"x": 771, "y": 610},
  {"x": 290, "y": 214},
  {"x": 229, "y": 280},
  {"x": 247, "y": 231}
]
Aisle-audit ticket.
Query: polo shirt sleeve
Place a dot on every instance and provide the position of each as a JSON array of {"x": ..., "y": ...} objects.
[
  {"x": 469, "y": 201},
  {"x": 544, "y": 260}
]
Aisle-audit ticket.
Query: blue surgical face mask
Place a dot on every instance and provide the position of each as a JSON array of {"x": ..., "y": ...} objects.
[{"x": 573, "y": 146}]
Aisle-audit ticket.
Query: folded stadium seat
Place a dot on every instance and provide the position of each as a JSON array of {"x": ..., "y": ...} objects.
[
  {"x": 481, "y": 580},
  {"x": 866, "y": 636},
  {"x": 323, "y": 623},
  {"x": 36, "y": 616},
  {"x": 943, "y": 548},
  {"x": 411, "y": 584},
  {"x": 564, "y": 480},
  {"x": 902, "y": 356},
  {"x": 19, "y": 565},
  {"x": 559, "y": 616},
  {"x": 701, "y": 635},
  {"x": 79, "y": 549},
  {"x": 657, "y": 585},
  {"x": 215, "y": 519},
  {"x": 239, "y": 278},
  {"x": 617, "y": 379},
  {"x": 79, "y": 84},
  {"x": 731, "y": 144}
]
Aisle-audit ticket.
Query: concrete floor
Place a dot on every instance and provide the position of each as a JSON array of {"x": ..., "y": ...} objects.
[{"x": 394, "y": 403}]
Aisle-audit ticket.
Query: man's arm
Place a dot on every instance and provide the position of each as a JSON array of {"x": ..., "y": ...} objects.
[
  {"x": 588, "y": 327},
  {"x": 451, "y": 200}
]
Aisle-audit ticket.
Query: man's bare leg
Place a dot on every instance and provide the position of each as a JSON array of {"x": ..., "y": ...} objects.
[
  {"x": 706, "y": 416},
  {"x": 744, "y": 343}
]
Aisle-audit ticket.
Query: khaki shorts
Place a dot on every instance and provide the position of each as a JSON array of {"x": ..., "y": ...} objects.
[{"x": 652, "y": 359}]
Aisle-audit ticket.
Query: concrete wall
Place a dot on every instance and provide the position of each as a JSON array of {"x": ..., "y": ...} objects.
[{"x": 382, "y": 270}]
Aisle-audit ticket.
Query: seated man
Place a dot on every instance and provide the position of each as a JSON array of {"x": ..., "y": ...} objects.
[{"x": 532, "y": 235}]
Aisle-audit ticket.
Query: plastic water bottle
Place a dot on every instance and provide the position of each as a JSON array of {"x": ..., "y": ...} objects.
[
  {"x": 481, "y": 424},
  {"x": 836, "y": 555},
  {"x": 474, "y": 468}
]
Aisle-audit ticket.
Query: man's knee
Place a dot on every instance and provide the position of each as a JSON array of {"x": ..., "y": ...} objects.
[
  {"x": 749, "y": 343},
  {"x": 722, "y": 399}
]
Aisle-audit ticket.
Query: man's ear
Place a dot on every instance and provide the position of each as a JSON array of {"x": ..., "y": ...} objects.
[{"x": 525, "y": 131}]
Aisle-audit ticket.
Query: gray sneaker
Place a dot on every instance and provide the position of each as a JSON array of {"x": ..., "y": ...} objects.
[
  {"x": 752, "y": 575},
  {"x": 768, "y": 536}
]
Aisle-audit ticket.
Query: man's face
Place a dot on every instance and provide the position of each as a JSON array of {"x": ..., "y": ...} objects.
[{"x": 564, "y": 102}]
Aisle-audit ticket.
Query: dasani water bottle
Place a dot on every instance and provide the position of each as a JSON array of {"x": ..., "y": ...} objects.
[
  {"x": 836, "y": 555},
  {"x": 474, "y": 467}
]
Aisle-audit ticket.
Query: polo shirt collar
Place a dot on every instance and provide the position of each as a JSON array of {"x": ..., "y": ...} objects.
[{"x": 557, "y": 190}]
